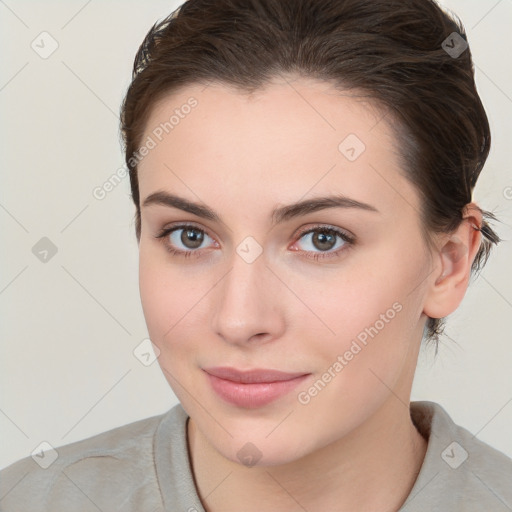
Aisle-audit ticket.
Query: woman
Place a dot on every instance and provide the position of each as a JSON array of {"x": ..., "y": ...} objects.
[{"x": 302, "y": 174}]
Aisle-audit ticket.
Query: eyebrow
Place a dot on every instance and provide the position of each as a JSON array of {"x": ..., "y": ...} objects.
[{"x": 280, "y": 214}]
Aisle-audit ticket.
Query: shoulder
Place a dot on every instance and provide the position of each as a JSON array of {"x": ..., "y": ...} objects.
[
  {"x": 113, "y": 466},
  {"x": 459, "y": 472}
]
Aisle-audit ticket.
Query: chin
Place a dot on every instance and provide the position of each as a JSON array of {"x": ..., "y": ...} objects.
[{"x": 261, "y": 453}]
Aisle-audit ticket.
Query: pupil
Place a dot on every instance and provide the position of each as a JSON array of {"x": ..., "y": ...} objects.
[
  {"x": 192, "y": 238},
  {"x": 324, "y": 240}
]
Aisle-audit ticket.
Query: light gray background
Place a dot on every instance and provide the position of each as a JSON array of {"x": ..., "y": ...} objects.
[{"x": 69, "y": 326}]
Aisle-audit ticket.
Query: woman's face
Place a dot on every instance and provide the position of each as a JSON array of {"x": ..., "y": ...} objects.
[{"x": 331, "y": 293}]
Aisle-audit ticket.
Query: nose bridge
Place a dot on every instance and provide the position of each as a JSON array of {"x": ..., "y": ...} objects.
[
  {"x": 248, "y": 272},
  {"x": 245, "y": 304}
]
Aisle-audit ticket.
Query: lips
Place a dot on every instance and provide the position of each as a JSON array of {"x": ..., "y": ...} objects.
[
  {"x": 251, "y": 376},
  {"x": 252, "y": 388}
]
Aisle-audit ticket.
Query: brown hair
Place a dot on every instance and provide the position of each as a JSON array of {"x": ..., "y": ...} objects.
[{"x": 395, "y": 52}]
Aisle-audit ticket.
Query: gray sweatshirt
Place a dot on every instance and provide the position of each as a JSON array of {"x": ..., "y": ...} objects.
[{"x": 144, "y": 467}]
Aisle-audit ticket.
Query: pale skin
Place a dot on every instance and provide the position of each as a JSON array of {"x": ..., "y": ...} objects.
[{"x": 353, "y": 446}]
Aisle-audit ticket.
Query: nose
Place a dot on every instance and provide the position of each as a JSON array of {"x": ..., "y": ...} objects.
[{"x": 248, "y": 303}]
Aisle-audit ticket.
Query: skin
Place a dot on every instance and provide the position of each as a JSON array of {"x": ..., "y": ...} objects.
[{"x": 353, "y": 446}]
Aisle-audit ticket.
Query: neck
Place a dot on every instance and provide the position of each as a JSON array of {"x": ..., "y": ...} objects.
[{"x": 373, "y": 468}]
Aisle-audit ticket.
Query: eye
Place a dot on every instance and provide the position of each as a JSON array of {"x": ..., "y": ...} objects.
[
  {"x": 187, "y": 240},
  {"x": 330, "y": 241},
  {"x": 183, "y": 240}
]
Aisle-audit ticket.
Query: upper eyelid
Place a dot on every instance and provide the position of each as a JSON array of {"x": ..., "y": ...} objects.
[
  {"x": 326, "y": 227},
  {"x": 185, "y": 226}
]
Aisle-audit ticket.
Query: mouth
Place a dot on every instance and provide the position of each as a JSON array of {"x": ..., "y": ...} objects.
[{"x": 253, "y": 388}]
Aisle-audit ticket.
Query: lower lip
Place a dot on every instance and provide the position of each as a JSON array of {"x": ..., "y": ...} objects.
[{"x": 254, "y": 395}]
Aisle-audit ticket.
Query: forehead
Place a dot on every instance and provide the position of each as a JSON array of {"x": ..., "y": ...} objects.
[
  {"x": 291, "y": 138},
  {"x": 291, "y": 108}
]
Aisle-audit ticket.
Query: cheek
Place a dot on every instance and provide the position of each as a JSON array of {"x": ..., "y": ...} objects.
[
  {"x": 344, "y": 304},
  {"x": 172, "y": 302},
  {"x": 150, "y": 287},
  {"x": 366, "y": 357},
  {"x": 369, "y": 319},
  {"x": 160, "y": 295},
  {"x": 164, "y": 303}
]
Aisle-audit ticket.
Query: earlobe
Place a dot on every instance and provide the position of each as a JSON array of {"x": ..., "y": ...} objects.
[{"x": 454, "y": 260}]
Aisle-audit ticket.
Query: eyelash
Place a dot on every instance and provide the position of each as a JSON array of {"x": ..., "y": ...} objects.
[{"x": 348, "y": 239}]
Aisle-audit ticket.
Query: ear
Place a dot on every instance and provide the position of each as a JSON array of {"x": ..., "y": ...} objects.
[{"x": 452, "y": 265}]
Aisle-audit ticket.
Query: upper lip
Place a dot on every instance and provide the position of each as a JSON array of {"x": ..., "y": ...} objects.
[{"x": 251, "y": 376}]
